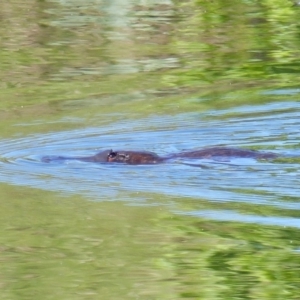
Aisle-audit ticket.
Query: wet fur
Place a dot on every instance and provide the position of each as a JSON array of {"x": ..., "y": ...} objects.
[{"x": 146, "y": 158}]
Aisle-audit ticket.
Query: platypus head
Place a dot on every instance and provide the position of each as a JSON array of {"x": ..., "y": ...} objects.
[
  {"x": 121, "y": 157},
  {"x": 128, "y": 157},
  {"x": 111, "y": 156}
]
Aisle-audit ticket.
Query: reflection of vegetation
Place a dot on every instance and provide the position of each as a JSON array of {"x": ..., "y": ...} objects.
[
  {"x": 54, "y": 68},
  {"x": 236, "y": 41},
  {"x": 87, "y": 248},
  {"x": 212, "y": 260},
  {"x": 84, "y": 249},
  {"x": 213, "y": 40},
  {"x": 54, "y": 247},
  {"x": 46, "y": 56}
]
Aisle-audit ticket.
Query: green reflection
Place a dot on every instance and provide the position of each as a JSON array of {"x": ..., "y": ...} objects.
[
  {"x": 55, "y": 247},
  {"x": 74, "y": 64},
  {"x": 221, "y": 260}
]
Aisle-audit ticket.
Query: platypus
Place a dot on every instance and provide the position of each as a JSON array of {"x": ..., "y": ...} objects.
[{"x": 147, "y": 158}]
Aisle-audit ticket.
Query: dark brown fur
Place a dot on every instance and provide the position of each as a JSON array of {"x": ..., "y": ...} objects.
[
  {"x": 144, "y": 157},
  {"x": 226, "y": 152}
]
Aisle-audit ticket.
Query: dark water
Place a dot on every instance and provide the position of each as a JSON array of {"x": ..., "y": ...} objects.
[{"x": 78, "y": 77}]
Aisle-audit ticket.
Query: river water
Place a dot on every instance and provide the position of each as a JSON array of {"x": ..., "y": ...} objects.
[
  {"x": 214, "y": 180},
  {"x": 79, "y": 77}
]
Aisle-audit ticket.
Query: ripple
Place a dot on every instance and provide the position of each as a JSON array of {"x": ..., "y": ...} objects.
[
  {"x": 243, "y": 181},
  {"x": 226, "y": 215}
]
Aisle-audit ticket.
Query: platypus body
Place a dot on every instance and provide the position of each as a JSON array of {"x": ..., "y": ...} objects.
[{"x": 147, "y": 158}]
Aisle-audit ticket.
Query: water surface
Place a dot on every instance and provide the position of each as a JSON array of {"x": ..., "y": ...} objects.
[{"x": 78, "y": 77}]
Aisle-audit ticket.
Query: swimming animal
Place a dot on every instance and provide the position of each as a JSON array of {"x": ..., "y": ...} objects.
[{"x": 149, "y": 158}]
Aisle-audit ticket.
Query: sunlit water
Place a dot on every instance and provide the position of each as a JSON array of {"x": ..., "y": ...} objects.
[
  {"x": 78, "y": 77},
  {"x": 237, "y": 180}
]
